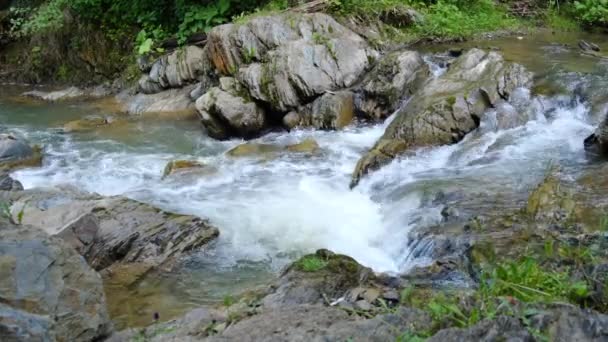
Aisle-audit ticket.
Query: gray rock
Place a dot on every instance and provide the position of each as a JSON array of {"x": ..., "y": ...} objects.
[
  {"x": 292, "y": 120},
  {"x": 59, "y": 95},
  {"x": 396, "y": 77},
  {"x": 564, "y": 323},
  {"x": 363, "y": 305},
  {"x": 225, "y": 115},
  {"x": 332, "y": 110},
  {"x": 9, "y": 184},
  {"x": 447, "y": 108},
  {"x": 598, "y": 141},
  {"x": 115, "y": 231},
  {"x": 13, "y": 148},
  {"x": 175, "y": 101},
  {"x": 297, "y": 286},
  {"x": 500, "y": 329},
  {"x": 318, "y": 323},
  {"x": 49, "y": 293},
  {"x": 287, "y": 60},
  {"x": 177, "y": 69}
]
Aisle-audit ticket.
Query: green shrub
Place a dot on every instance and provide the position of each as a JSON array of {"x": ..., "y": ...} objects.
[{"x": 592, "y": 11}]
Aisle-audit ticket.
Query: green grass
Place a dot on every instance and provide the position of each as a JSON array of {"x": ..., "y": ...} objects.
[
  {"x": 561, "y": 22},
  {"x": 311, "y": 263}
]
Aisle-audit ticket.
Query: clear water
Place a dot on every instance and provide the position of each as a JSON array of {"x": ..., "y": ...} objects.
[{"x": 271, "y": 211}]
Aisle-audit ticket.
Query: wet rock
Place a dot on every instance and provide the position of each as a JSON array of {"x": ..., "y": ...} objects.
[
  {"x": 49, "y": 293},
  {"x": 9, "y": 184},
  {"x": 16, "y": 153},
  {"x": 586, "y": 46},
  {"x": 185, "y": 166},
  {"x": 70, "y": 93},
  {"x": 91, "y": 123},
  {"x": 184, "y": 66},
  {"x": 59, "y": 95},
  {"x": 449, "y": 213},
  {"x": 447, "y": 108},
  {"x": 175, "y": 101},
  {"x": 598, "y": 141},
  {"x": 114, "y": 231},
  {"x": 255, "y": 149},
  {"x": 298, "y": 285},
  {"x": 285, "y": 60},
  {"x": 551, "y": 200},
  {"x": 226, "y": 115},
  {"x": 292, "y": 120},
  {"x": 333, "y": 110},
  {"x": 396, "y": 77}
]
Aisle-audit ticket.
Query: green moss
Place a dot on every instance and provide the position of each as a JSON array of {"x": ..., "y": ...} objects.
[{"x": 311, "y": 263}]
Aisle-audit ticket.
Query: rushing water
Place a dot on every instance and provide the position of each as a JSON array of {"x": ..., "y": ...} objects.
[{"x": 270, "y": 211}]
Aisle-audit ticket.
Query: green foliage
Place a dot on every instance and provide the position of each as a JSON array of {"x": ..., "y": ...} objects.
[
  {"x": 311, "y": 263},
  {"x": 527, "y": 281},
  {"x": 592, "y": 11},
  {"x": 455, "y": 19},
  {"x": 228, "y": 300},
  {"x": 201, "y": 18}
]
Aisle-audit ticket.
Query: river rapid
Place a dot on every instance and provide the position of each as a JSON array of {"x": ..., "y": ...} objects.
[{"x": 270, "y": 211}]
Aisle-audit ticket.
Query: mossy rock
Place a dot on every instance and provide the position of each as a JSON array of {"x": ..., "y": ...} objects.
[
  {"x": 551, "y": 200},
  {"x": 271, "y": 150},
  {"x": 35, "y": 160},
  {"x": 91, "y": 124}
]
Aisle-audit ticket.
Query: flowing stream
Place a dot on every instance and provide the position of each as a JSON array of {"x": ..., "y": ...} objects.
[{"x": 272, "y": 210}]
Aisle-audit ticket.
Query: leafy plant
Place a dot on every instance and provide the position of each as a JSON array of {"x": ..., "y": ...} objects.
[
  {"x": 201, "y": 18},
  {"x": 592, "y": 11}
]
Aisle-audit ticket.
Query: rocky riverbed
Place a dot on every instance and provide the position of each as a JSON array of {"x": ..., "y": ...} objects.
[{"x": 293, "y": 181}]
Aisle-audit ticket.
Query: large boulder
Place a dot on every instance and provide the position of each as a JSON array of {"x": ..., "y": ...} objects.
[
  {"x": 396, "y": 77},
  {"x": 47, "y": 291},
  {"x": 112, "y": 232},
  {"x": 184, "y": 66},
  {"x": 16, "y": 152},
  {"x": 447, "y": 108},
  {"x": 226, "y": 114},
  {"x": 286, "y": 60}
]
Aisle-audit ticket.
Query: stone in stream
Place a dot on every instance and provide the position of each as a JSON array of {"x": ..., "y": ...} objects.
[
  {"x": 17, "y": 153},
  {"x": 396, "y": 77},
  {"x": 48, "y": 291},
  {"x": 176, "y": 102},
  {"x": 190, "y": 167},
  {"x": 91, "y": 123},
  {"x": 70, "y": 93},
  {"x": 9, "y": 184},
  {"x": 598, "y": 141},
  {"x": 113, "y": 232},
  {"x": 309, "y": 146},
  {"x": 227, "y": 114},
  {"x": 447, "y": 108}
]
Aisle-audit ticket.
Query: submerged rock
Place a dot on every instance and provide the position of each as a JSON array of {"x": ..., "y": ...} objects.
[
  {"x": 255, "y": 149},
  {"x": 113, "y": 231},
  {"x": 16, "y": 153},
  {"x": 69, "y": 94},
  {"x": 48, "y": 291},
  {"x": 91, "y": 123},
  {"x": 447, "y": 108},
  {"x": 185, "y": 166}
]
